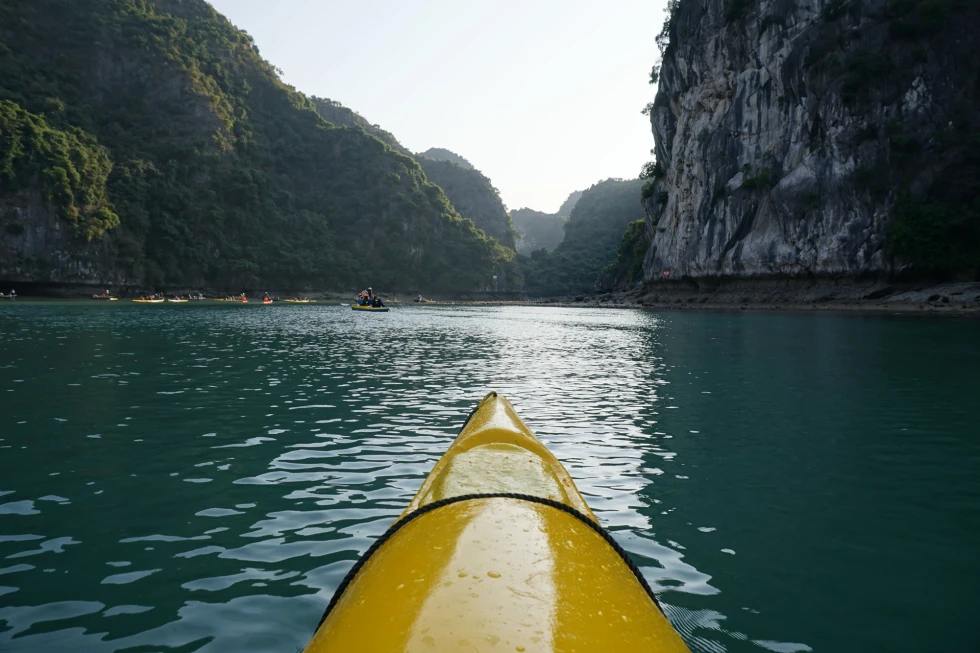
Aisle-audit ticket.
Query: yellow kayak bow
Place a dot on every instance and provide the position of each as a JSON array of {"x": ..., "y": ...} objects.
[{"x": 497, "y": 552}]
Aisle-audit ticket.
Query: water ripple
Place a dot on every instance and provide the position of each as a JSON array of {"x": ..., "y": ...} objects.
[{"x": 230, "y": 464}]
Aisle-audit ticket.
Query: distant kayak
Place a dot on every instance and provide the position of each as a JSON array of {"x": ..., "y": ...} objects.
[
  {"x": 370, "y": 309},
  {"x": 498, "y": 551},
  {"x": 300, "y": 301},
  {"x": 266, "y": 301},
  {"x": 148, "y": 301},
  {"x": 177, "y": 301}
]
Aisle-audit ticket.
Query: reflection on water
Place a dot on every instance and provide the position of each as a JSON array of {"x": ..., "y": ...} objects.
[{"x": 202, "y": 477}]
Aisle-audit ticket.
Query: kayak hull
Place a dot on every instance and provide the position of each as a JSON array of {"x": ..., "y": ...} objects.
[
  {"x": 369, "y": 309},
  {"x": 498, "y": 551}
]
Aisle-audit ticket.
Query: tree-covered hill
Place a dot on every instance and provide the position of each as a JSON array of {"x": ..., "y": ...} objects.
[
  {"x": 147, "y": 141},
  {"x": 440, "y": 154},
  {"x": 592, "y": 238},
  {"x": 474, "y": 196}
]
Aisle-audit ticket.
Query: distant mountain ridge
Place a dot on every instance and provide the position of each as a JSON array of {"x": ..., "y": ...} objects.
[
  {"x": 440, "y": 154},
  {"x": 538, "y": 230},
  {"x": 473, "y": 195},
  {"x": 593, "y": 235},
  {"x": 566, "y": 207}
]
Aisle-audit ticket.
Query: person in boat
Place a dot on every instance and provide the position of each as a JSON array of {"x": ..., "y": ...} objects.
[
  {"x": 377, "y": 303},
  {"x": 362, "y": 298}
]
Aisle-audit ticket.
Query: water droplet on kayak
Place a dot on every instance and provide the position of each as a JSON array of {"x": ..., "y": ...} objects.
[{"x": 493, "y": 574}]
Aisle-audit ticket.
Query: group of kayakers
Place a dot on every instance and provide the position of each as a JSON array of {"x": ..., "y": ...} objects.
[
  {"x": 364, "y": 298},
  {"x": 368, "y": 298}
]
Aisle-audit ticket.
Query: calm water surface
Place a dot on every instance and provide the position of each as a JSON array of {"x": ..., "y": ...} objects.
[{"x": 201, "y": 477}]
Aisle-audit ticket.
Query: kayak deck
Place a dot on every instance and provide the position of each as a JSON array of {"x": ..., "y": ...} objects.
[{"x": 497, "y": 551}]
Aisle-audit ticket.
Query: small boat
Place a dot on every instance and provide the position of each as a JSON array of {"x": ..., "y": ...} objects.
[
  {"x": 142, "y": 300},
  {"x": 497, "y": 551},
  {"x": 266, "y": 301},
  {"x": 300, "y": 301},
  {"x": 177, "y": 300},
  {"x": 104, "y": 298},
  {"x": 373, "y": 309}
]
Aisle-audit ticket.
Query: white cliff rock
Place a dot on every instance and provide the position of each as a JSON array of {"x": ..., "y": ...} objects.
[{"x": 762, "y": 136}]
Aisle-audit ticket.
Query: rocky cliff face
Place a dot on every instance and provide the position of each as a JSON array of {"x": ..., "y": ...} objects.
[
  {"x": 37, "y": 245},
  {"x": 814, "y": 138}
]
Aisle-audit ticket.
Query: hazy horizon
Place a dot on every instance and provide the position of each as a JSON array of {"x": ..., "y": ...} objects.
[{"x": 544, "y": 98}]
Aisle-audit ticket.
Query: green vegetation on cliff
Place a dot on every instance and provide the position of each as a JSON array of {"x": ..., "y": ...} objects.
[
  {"x": 592, "y": 238},
  {"x": 474, "y": 196},
  {"x": 627, "y": 269},
  {"x": 337, "y": 114},
  {"x": 68, "y": 168},
  {"x": 221, "y": 174}
]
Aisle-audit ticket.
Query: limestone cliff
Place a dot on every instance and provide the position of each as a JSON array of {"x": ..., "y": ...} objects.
[{"x": 815, "y": 138}]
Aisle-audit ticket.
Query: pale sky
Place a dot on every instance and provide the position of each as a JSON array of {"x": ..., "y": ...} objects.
[{"x": 542, "y": 96}]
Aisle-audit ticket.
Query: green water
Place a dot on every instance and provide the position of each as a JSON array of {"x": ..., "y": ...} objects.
[{"x": 200, "y": 477}]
